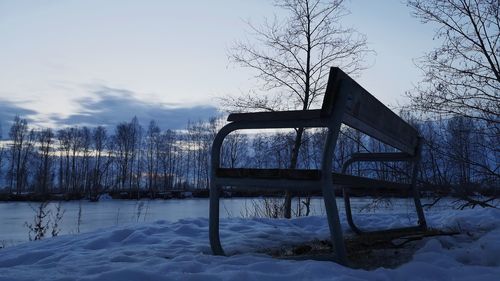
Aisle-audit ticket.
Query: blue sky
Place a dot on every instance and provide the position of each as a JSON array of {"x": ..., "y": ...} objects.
[{"x": 98, "y": 62}]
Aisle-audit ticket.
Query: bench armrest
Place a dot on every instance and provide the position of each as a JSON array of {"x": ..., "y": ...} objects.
[
  {"x": 265, "y": 120},
  {"x": 378, "y": 157},
  {"x": 381, "y": 156},
  {"x": 276, "y": 115}
]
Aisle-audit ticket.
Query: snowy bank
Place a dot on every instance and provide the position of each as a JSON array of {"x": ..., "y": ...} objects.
[{"x": 180, "y": 251}]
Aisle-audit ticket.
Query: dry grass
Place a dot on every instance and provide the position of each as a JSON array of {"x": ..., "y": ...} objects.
[{"x": 364, "y": 251}]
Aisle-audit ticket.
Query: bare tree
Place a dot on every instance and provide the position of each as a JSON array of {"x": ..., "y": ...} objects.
[
  {"x": 211, "y": 128},
  {"x": 124, "y": 150},
  {"x": 167, "y": 155},
  {"x": 101, "y": 163},
  {"x": 234, "y": 150},
  {"x": 85, "y": 159},
  {"x": 460, "y": 132},
  {"x": 17, "y": 134},
  {"x": 152, "y": 161},
  {"x": 462, "y": 81},
  {"x": 21, "y": 148},
  {"x": 435, "y": 169},
  {"x": 137, "y": 145},
  {"x": 294, "y": 56},
  {"x": 462, "y": 76},
  {"x": 75, "y": 142},
  {"x": 64, "y": 139},
  {"x": 128, "y": 143},
  {"x": 45, "y": 140}
]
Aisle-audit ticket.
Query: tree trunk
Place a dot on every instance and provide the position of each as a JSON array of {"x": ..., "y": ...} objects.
[{"x": 293, "y": 165}]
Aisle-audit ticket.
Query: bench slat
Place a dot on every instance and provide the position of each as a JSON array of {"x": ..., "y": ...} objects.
[{"x": 298, "y": 175}]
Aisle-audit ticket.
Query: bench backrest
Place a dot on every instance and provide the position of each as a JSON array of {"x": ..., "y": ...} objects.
[{"x": 365, "y": 113}]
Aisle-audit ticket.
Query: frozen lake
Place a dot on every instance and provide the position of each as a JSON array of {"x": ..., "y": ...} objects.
[{"x": 95, "y": 215}]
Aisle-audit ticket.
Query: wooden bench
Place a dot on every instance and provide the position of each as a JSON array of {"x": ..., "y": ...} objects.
[{"x": 345, "y": 101}]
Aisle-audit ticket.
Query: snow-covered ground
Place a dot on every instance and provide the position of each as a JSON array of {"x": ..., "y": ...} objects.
[{"x": 179, "y": 250}]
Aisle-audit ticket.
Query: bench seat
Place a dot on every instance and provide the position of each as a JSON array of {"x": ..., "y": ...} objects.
[{"x": 295, "y": 176}]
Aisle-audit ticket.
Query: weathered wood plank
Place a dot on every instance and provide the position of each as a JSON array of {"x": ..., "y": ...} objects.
[
  {"x": 275, "y": 116},
  {"x": 250, "y": 177},
  {"x": 367, "y": 114}
]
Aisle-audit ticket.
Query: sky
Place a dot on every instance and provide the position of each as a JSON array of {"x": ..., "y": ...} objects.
[{"x": 99, "y": 62}]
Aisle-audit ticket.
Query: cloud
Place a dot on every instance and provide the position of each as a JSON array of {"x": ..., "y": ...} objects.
[
  {"x": 110, "y": 106},
  {"x": 8, "y": 110}
]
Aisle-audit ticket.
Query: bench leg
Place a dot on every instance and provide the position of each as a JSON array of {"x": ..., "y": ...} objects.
[
  {"x": 422, "y": 225},
  {"x": 416, "y": 197},
  {"x": 214, "y": 220},
  {"x": 348, "y": 211},
  {"x": 332, "y": 215}
]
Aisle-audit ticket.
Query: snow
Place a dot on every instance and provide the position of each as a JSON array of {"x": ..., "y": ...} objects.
[
  {"x": 164, "y": 250},
  {"x": 105, "y": 197}
]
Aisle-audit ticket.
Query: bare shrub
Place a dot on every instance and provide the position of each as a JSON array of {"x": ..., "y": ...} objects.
[
  {"x": 41, "y": 220},
  {"x": 45, "y": 220}
]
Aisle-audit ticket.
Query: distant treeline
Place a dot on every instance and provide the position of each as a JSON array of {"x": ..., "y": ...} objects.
[{"x": 459, "y": 155}]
